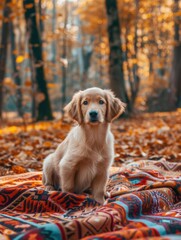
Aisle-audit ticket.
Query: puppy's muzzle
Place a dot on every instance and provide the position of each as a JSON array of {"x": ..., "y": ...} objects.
[{"x": 93, "y": 116}]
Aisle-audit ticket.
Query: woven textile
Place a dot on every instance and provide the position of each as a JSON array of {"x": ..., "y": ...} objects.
[{"x": 144, "y": 203}]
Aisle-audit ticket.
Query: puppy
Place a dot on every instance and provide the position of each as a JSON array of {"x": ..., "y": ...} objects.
[{"x": 83, "y": 159}]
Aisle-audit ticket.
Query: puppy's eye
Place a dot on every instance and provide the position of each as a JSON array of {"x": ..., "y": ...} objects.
[
  {"x": 101, "y": 102},
  {"x": 85, "y": 102}
]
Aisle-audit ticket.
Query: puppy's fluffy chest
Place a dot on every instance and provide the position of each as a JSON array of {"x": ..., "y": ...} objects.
[
  {"x": 92, "y": 157},
  {"x": 85, "y": 173}
]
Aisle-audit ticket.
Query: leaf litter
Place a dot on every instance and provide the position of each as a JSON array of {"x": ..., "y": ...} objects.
[{"x": 144, "y": 136}]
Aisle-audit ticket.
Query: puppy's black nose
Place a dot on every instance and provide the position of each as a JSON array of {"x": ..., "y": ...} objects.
[{"x": 93, "y": 115}]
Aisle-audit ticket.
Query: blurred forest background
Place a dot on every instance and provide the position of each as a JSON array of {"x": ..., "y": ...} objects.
[{"x": 51, "y": 48}]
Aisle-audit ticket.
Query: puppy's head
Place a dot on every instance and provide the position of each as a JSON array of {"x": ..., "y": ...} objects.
[{"x": 94, "y": 106}]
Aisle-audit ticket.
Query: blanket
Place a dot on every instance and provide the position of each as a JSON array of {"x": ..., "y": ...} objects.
[{"x": 144, "y": 202}]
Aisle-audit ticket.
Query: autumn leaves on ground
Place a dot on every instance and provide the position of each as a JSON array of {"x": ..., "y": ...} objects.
[{"x": 143, "y": 136}]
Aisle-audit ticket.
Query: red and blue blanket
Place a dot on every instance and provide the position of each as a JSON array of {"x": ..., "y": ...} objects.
[{"x": 144, "y": 203}]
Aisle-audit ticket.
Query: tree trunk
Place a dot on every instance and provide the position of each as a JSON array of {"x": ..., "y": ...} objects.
[
  {"x": 175, "y": 80},
  {"x": 130, "y": 79},
  {"x": 54, "y": 47},
  {"x": 117, "y": 82},
  {"x": 16, "y": 74},
  {"x": 3, "y": 49},
  {"x": 35, "y": 45},
  {"x": 135, "y": 65},
  {"x": 84, "y": 56},
  {"x": 86, "y": 59},
  {"x": 64, "y": 55},
  {"x": 41, "y": 26}
]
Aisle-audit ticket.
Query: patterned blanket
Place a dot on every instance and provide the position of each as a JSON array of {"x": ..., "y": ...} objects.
[{"x": 144, "y": 203}]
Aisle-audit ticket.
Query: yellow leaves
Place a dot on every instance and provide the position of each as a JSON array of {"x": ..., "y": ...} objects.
[
  {"x": 19, "y": 59},
  {"x": 15, "y": 52},
  {"x": 12, "y": 129},
  {"x": 103, "y": 45},
  {"x": 28, "y": 83},
  {"x": 146, "y": 16},
  {"x": 44, "y": 17},
  {"x": 59, "y": 14},
  {"x": 145, "y": 38},
  {"x": 29, "y": 6},
  {"x": 52, "y": 85},
  {"x": 130, "y": 37},
  {"x": 177, "y": 14},
  {"x": 47, "y": 144},
  {"x": 134, "y": 61},
  {"x": 141, "y": 10},
  {"x": 40, "y": 97},
  {"x": 9, "y": 82},
  {"x": 174, "y": 43}
]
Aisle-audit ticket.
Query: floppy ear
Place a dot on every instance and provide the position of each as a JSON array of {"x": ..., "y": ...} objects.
[
  {"x": 73, "y": 109},
  {"x": 115, "y": 107}
]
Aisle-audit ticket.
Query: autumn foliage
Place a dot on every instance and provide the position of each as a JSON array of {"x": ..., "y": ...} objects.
[{"x": 148, "y": 136}]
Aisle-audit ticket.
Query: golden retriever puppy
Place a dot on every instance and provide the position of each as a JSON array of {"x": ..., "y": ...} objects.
[{"x": 83, "y": 159}]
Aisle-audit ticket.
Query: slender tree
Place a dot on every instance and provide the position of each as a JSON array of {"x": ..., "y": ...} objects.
[
  {"x": 117, "y": 82},
  {"x": 135, "y": 88},
  {"x": 84, "y": 55},
  {"x": 175, "y": 80},
  {"x": 16, "y": 74},
  {"x": 133, "y": 76},
  {"x": 35, "y": 46},
  {"x": 130, "y": 80},
  {"x": 54, "y": 45},
  {"x": 41, "y": 26},
  {"x": 64, "y": 55},
  {"x": 3, "y": 49}
]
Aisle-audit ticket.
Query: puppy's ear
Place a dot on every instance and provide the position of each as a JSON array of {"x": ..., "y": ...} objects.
[
  {"x": 73, "y": 109},
  {"x": 115, "y": 107}
]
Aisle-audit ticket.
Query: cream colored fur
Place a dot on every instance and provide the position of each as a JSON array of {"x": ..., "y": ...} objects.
[{"x": 83, "y": 159}]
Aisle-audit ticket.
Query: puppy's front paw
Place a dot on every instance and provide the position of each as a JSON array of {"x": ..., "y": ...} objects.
[
  {"x": 100, "y": 199},
  {"x": 67, "y": 189},
  {"x": 49, "y": 188}
]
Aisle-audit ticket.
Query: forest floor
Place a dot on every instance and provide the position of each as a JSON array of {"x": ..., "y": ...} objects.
[{"x": 143, "y": 136}]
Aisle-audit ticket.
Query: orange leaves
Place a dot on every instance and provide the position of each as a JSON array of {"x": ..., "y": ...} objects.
[
  {"x": 9, "y": 82},
  {"x": 47, "y": 144},
  {"x": 18, "y": 169},
  {"x": 40, "y": 97},
  {"x": 147, "y": 136},
  {"x": 29, "y": 6},
  {"x": 28, "y": 83},
  {"x": 22, "y": 151}
]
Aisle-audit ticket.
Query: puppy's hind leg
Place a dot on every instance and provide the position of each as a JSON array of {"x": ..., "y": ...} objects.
[{"x": 50, "y": 178}]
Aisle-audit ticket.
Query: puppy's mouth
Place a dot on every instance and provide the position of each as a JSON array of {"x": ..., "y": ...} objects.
[{"x": 94, "y": 121}]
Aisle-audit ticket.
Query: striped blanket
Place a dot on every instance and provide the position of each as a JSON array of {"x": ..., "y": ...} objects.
[{"x": 144, "y": 203}]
